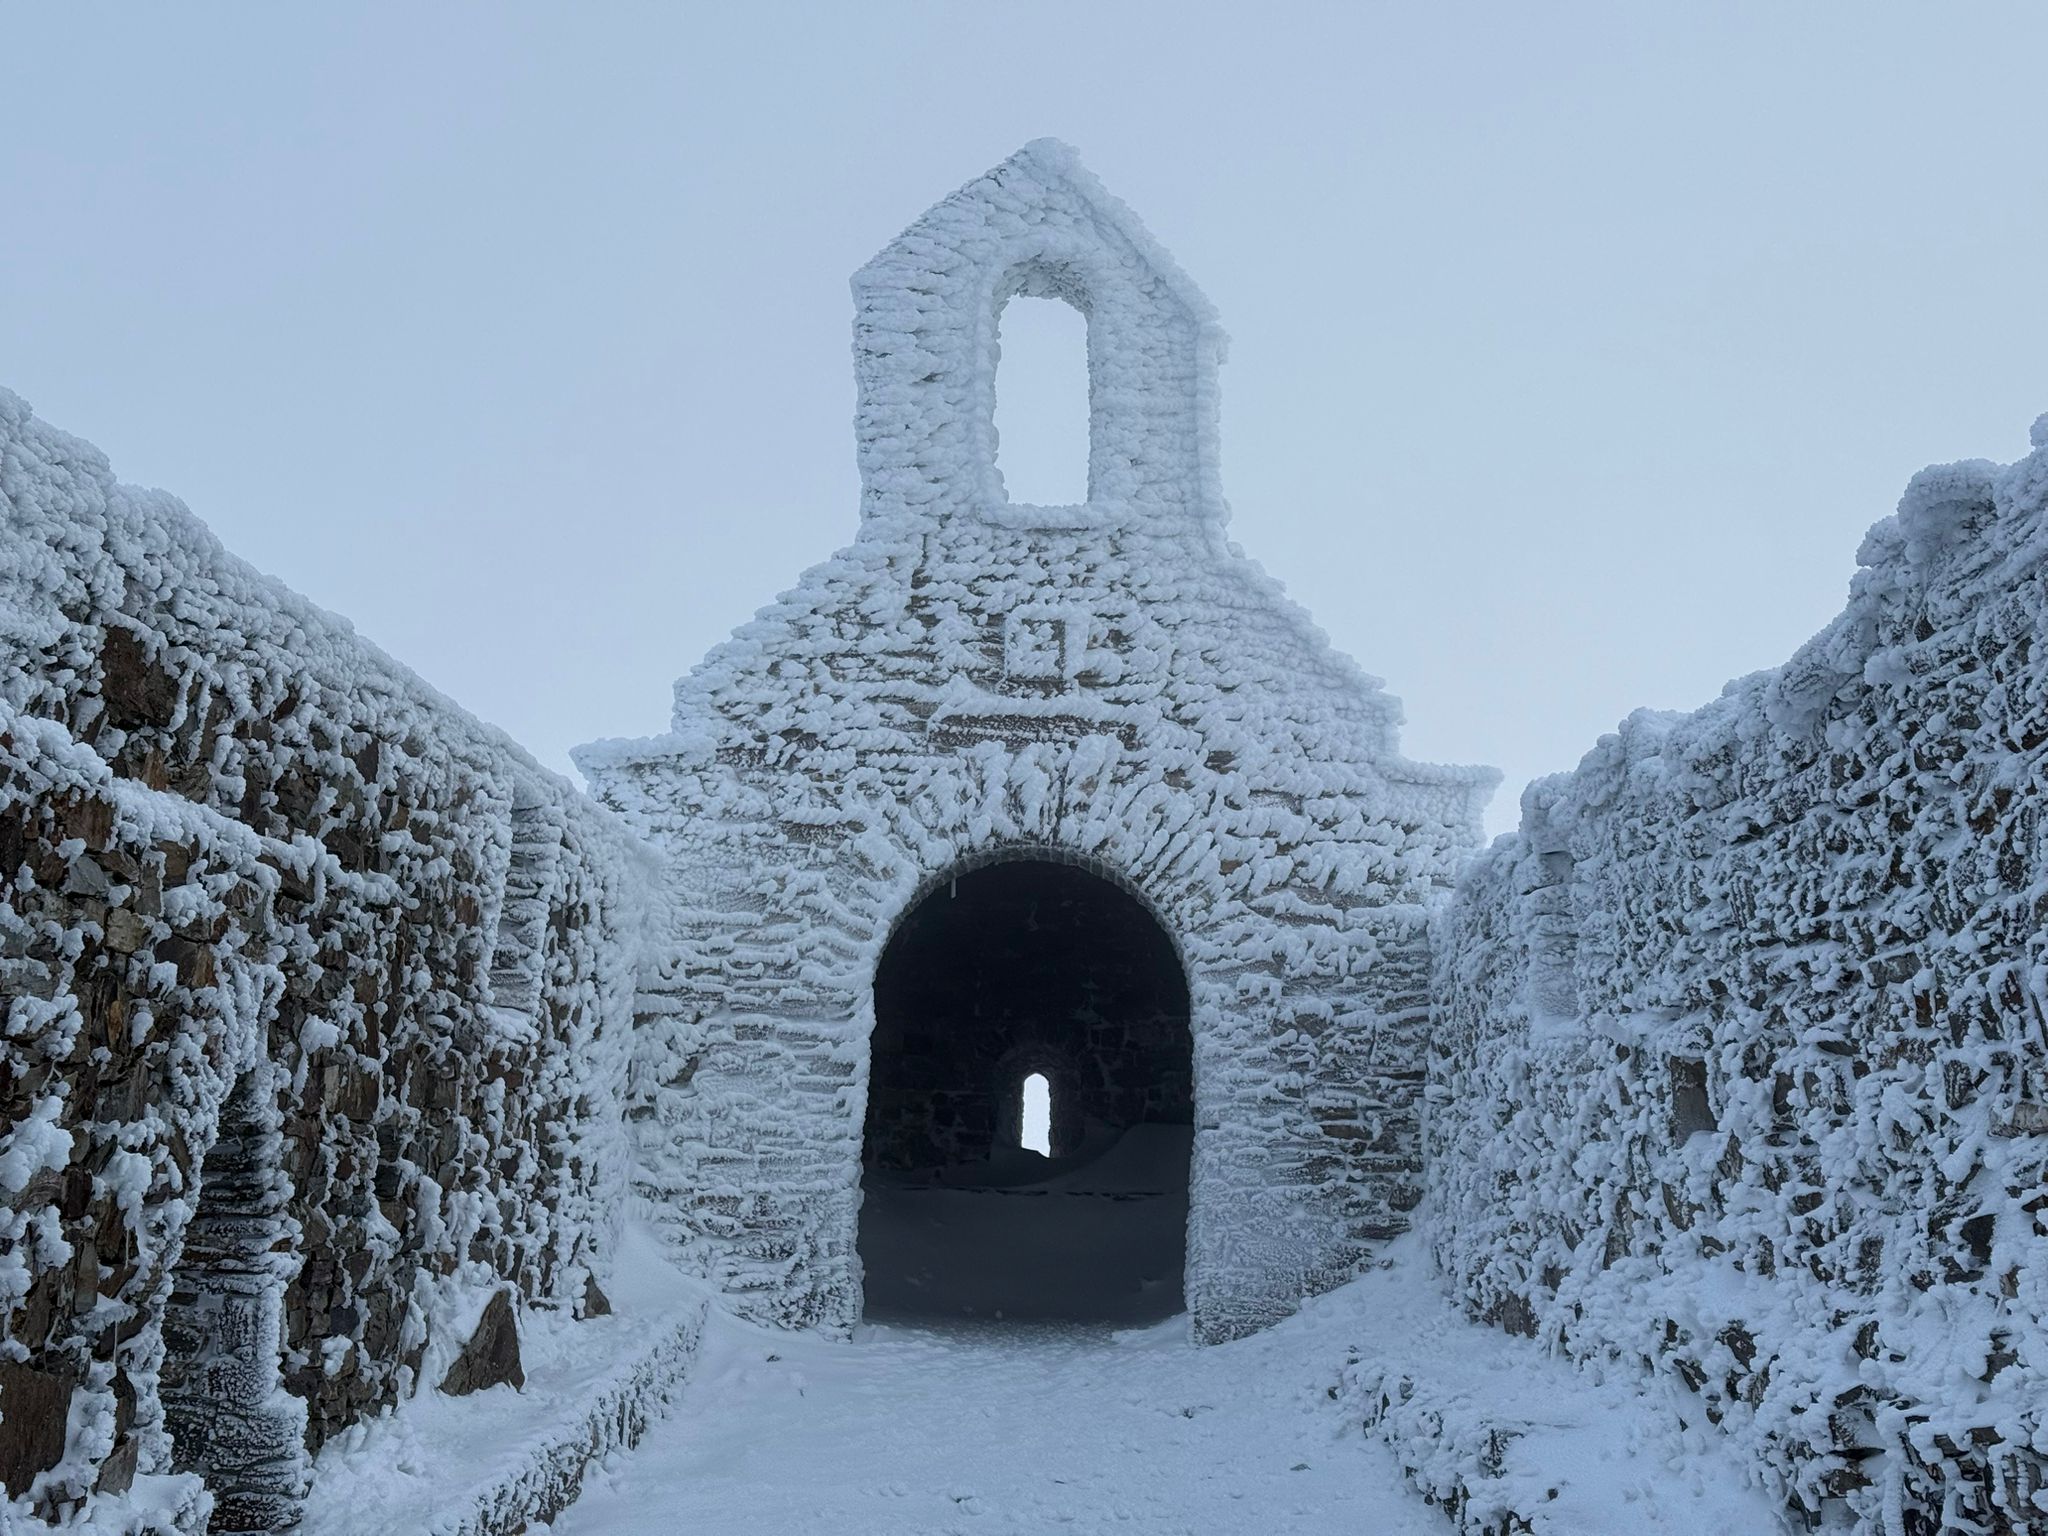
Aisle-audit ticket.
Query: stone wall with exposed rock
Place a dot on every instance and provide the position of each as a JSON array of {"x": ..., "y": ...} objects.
[
  {"x": 317, "y": 1002},
  {"x": 1740, "y": 1057}
]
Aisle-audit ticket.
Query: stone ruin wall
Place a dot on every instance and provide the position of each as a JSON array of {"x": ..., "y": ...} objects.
[
  {"x": 318, "y": 996},
  {"x": 1740, "y": 1065}
]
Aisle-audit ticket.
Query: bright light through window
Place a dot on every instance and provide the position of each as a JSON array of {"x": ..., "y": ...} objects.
[{"x": 1037, "y": 1135}]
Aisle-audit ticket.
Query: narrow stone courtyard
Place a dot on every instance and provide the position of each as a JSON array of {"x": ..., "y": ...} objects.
[{"x": 1009, "y": 1040}]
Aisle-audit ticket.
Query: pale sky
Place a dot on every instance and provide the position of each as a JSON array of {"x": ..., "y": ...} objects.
[{"x": 1573, "y": 348}]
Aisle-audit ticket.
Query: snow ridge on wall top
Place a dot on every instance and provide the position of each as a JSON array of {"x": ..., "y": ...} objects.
[
  {"x": 47, "y": 475},
  {"x": 1971, "y": 521}
]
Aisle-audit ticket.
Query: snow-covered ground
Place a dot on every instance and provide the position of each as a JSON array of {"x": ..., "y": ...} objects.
[
  {"x": 980, "y": 1427},
  {"x": 990, "y": 1428},
  {"x": 444, "y": 1464}
]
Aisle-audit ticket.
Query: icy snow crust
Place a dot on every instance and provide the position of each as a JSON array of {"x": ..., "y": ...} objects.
[
  {"x": 234, "y": 839},
  {"x": 1740, "y": 1057},
  {"x": 1113, "y": 684},
  {"x": 1508, "y": 1440},
  {"x": 476, "y": 1466},
  {"x": 1028, "y": 1430}
]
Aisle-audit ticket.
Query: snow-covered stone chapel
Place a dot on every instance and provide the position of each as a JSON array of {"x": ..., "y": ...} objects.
[
  {"x": 1003, "y": 791},
  {"x": 1028, "y": 915}
]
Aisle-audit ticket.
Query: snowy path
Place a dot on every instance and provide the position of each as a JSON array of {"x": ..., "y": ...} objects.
[{"x": 981, "y": 1429}]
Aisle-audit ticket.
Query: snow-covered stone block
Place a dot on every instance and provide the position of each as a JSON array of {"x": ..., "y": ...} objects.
[{"x": 497, "y": 1461}]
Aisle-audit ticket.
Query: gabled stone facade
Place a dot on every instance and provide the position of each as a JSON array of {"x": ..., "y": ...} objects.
[{"x": 1111, "y": 683}]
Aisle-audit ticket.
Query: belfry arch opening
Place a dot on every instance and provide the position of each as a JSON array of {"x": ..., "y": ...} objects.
[
  {"x": 1042, "y": 401},
  {"x": 1017, "y": 988}
]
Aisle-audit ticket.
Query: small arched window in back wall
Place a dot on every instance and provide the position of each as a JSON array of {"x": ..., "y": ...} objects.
[{"x": 1035, "y": 1122}]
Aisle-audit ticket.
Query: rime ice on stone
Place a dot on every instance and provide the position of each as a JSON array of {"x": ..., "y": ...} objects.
[
  {"x": 1740, "y": 1060},
  {"x": 1110, "y": 683},
  {"x": 316, "y": 997},
  {"x": 225, "y": 1406}
]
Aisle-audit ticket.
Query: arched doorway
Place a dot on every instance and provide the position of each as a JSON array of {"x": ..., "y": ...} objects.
[{"x": 1015, "y": 971}]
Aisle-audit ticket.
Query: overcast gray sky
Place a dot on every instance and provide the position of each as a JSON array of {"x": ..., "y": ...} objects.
[{"x": 1573, "y": 347}]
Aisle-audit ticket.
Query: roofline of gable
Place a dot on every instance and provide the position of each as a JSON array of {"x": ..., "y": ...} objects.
[{"x": 1056, "y": 160}]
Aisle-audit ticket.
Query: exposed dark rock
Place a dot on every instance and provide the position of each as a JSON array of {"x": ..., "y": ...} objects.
[
  {"x": 491, "y": 1357},
  {"x": 34, "y": 1404},
  {"x": 117, "y": 1472},
  {"x": 137, "y": 691}
]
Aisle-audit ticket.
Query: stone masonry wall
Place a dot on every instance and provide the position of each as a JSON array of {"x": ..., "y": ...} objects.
[
  {"x": 1740, "y": 1058},
  {"x": 243, "y": 853}
]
